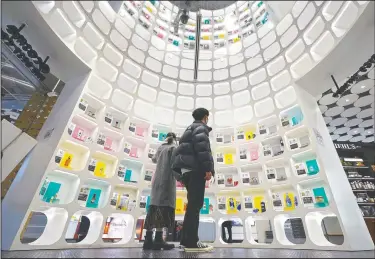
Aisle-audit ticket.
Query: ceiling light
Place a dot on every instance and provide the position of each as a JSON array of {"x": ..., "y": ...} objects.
[
  {"x": 347, "y": 100},
  {"x": 363, "y": 86},
  {"x": 355, "y": 131},
  {"x": 17, "y": 81},
  {"x": 369, "y": 131}
]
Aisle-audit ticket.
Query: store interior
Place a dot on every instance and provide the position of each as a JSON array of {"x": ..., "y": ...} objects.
[{"x": 291, "y": 105}]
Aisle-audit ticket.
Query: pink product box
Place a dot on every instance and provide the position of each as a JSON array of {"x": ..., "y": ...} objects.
[
  {"x": 133, "y": 152},
  {"x": 79, "y": 133},
  {"x": 108, "y": 144},
  {"x": 140, "y": 131},
  {"x": 254, "y": 154}
]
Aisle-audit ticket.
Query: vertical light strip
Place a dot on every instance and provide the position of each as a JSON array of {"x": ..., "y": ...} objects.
[{"x": 197, "y": 41}]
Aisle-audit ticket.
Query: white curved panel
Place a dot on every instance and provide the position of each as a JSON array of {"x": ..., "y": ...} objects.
[
  {"x": 183, "y": 118},
  {"x": 157, "y": 42},
  {"x": 330, "y": 9},
  {"x": 252, "y": 50},
  {"x": 62, "y": 26},
  {"x": 268, "y": 39},
  {"x": 164, "y": 115},
  {"x": 153, "y": 64},
  {"x": 87, "y": 5},
  {"x": 298, "y": 8},
  {"x": 186, "y": 89},
  {"x": 264, "y": 107},
  {"x": 93, "y": 36},
  {"x": 250, "y": 40},
  {"x": 205, "y": 65},
  {"x": 276, "y": 66},
  {"x": 168, "y": 85},
  {"x": 156, "y": 54},
  {"x": 136, "y": 54},
  {"x": 243, "y": 114},
  {"x": 144, "y": 110},
  {"x": 101, "y": 21},
  {"x": 237, "y": 70},
  {"x": 267, "y": 27},
  {"x": 306, "y": 16},
  {"x": 221, "y": 74},
  {"x": 221, "y": 88},
  {"x": 187, "y": 63},
  {"x": 345, "y": 19},
  {"x": 204, "y": 76},
  {"x": 147, "y": 93},
  {"x": 44, "y": 6},
  {"x": 314, "y": 30},
  {"x": 258, "y": 76},
  {"x": 235, "y": 48},
  {"x": 322, "y": 46},
  {"x": 106, "y": 70},
  {"x": 271, "y": 51},
  {"x": 172, "y": 60},
  {"x": 222, "y": 102},
  {"x": 99, "y": 87},
  {"x": 129, "y": 20},
  {"x": 150, "y": 78},
  {"x": 295, "y": 50},
  {"x": 107, "y": 10},
  {"x": 301, "y": 66},
  {"x": 123, "y": 28},
  {"x": 220, "y": 63},
  {"x": 74, "y": 12},
  {"x": 127, "y": 83},
  {"x": 204, "y": 102},
  {"x": 139, "y": 43},
  {"x": 141, "y": 31},
  {"x": 118, "y": 40},
  {"x": 170, "y": 71},
  {"x": 85, "y": 51},
  {"x": 114, "y": 56},
  {"x": 254, "y": 63},
  {"x": 241, "y": 98},
  {"x": 289, "y": 36},
  {"x": 204, "y": 90},
  {"x": 236, "y": 59},
  {"x": 284, "y": 24},
  {"x": 285, "y": 97},
  {"x": 186, "y": 75},
  {"x": 131, "y": 68},
  {"x": 281, "y": 80},
  {"x": 223, "y": 118},
  {"x": 239, "y": 84},
  {"x": 122, "y": 100},
  {"x": 166, "y": 99},
  {"x": 185, "y": 103},
  {"x": 260, "y": 91}
]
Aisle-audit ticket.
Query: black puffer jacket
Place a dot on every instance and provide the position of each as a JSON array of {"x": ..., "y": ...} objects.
[{"x": 194, "y": 151}]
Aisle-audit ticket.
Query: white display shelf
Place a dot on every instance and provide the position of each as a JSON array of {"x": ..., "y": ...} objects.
[
  {"x": 139, "y": 128},
  {"x": 71, "y": 156},
  {"x": 258, "y": 230},
  {"x": 124, "y": 198},
  {"x": 298, "y": 138},
  {"x": 246, "y": 132},
  {"x": 255, "y": 201},
  {"x": 118, "y": 228},
  {"x": 268, "y": 127},
  {"x": 284, "y": 198},
  {"x": 314, "y": 229},
  {"x": 89, "y": 191},
  {"x": 115, "y": 119},
  {"x": 300, "y": 162},
  {"x": 279, "y": 223},
  {"x": 315, "y": 192},
  {"x": 82, "y": 129},
  {"x": 96, "y": 220},
  {"x": 225, "y": 156},
  {"x": 291, "y": 117},
  {"x": 249, "y": 153},
  {"x": 129, "y": 171},
  {"x": 277, "y": 171},
  {"x": 252, "y": 175},
  {"x": 227, "y": 177},
  {"x": 56, "y": 219},
  {"x": 238, "y": 230},
  {"x": 102, "y": 165},
  {"x": 229, "y": 201},
  {"x": 224, "y": 136},
  {"x": 110, "y": 140},
  {"x": 91, "y": 107},
  {"x": 159, "y": 133},
  {"x": 272, "y": 147},
  {"x": 66, "y": 191},
  {"x": 134, "y": 147}
]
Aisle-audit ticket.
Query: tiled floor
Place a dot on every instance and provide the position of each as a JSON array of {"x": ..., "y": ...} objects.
[{"x": 177, "y": 253}]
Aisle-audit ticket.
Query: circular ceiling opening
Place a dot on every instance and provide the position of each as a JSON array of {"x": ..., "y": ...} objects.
[{"x": 194, "y": 6}]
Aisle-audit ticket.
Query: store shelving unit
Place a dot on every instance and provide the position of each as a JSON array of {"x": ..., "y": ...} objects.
[{"x": 137, "y": 109}]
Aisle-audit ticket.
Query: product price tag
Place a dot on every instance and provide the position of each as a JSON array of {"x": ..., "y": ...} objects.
[
  {"x": 220, "y": 157},
  {"x": 127, "y": 147},
  {"x": 92, "y": 165},
  {"x": 71, "y": 128},
  {"x": 60, "y": 153},
  {"x": 248, "y": 202},
  {"x": 108, "y": 117},
  {"x": 82, "y": 104},
  {"x": 245, "y": 178}
]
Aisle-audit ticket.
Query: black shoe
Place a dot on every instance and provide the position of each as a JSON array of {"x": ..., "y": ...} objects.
[
  {"x": 147, "y": 245},
  {"x": 159, "y": 242}
]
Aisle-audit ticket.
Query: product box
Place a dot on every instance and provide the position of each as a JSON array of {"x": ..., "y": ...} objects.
[
  {"x": 289, "y": 201},
  {"x": 248, "y": 202},
  {"x": 231, "y": 205},
  {"x": 206, "y": 206},
  {"x": 220, "y": 180},
  {"x": 228, "y": 159},
  {"x": 221, "y": 203},
  {"x": 148, "y": 175},
  {"x": 83, "y": 195},
  {"x": 123, "y": 202},
  {"x": 93, "y": 198},
  {"x": 127, "y": 148},
  {"x": 245, "y": 178},
  {"x": 66, "y": 160},
  {"x": 300, "y": 168},
  {"x": 320, "y": 196},
  {"x": 51, "y": 192},
  {"x": 312, "y": 167},
  {"x": 99, "y": 170},
  {"x": 307, "y": 198}
]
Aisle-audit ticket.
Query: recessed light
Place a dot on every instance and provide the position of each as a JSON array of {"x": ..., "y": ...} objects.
[
  {"x": 347, "y": 100},
  {"x": 369, "y": 131},
  {"x": 355, "y": 131},
  {"x": 363, "y": 86}
]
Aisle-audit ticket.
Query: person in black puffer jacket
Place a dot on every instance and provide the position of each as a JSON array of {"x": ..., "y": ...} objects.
[{"x": 194, "y": 163}]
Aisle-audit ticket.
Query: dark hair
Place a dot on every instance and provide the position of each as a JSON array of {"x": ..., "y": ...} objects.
[
  {"x": 170, "y": 137},
  {"x": 199, "y": 113}
]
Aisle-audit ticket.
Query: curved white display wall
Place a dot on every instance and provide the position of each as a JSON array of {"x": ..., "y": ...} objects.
[{"x": 273, "y": 154}]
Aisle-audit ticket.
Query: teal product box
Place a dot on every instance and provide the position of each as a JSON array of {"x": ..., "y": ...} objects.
[
  {"x": 148, "y": 203},
  {"x": 320, "y": 196},
  {"x": 93, "y": 199},
  {"x": 162, "y": 136},
  {"x": 52, "y": 189},
  {"x": 128, "y": 175},
  {"x": 206, "y": 206},
  {"x": 312, "y": 167}
]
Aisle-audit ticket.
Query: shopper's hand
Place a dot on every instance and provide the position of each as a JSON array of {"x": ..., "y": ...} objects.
[{"x": 208, "y": 176}]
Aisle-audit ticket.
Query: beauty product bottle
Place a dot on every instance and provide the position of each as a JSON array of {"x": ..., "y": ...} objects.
[
  {"x": 93, "y": 198},
  {"x": 67, "y": 161}
]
